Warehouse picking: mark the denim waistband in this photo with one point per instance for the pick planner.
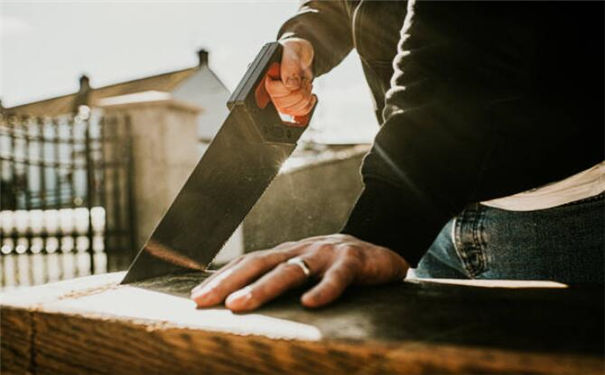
(483, 236)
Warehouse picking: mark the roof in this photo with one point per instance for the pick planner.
(60, 105)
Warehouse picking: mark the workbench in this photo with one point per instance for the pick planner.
(92, 325)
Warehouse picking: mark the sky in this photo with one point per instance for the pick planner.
(46, 45)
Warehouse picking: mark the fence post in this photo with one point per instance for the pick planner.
(132, 215)
(82, 110)
(84, 114)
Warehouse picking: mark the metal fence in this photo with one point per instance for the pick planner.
(66, 204)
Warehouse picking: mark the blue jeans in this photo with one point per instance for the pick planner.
(563, 243)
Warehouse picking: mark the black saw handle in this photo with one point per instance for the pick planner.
(252, 101)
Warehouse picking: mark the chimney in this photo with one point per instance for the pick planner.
(84, 83)
(83, 94)
(202, 56)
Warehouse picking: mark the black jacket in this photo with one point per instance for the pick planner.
(486, 99)
(336, 27)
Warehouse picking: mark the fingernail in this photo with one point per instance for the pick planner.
(309, 299)
(306, 302)
(200, 294)
(207, 287)
(240, 297)
(197, 288)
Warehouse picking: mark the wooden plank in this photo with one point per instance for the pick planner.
(92, 325)
(15, 341)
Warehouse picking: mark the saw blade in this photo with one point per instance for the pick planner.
(231, 176)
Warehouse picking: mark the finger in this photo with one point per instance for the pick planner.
(297, 57)
(308, 108)
(214, 291)
(281, 247)
(307, 74)
(283, 277)
(295, 96)
(297, 109)
(334, 282)
(293, 104)
(291, 69)
(217, 273)
(276, 88)
(291, 100)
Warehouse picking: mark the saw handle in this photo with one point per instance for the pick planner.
(251, 102)
(263, 98)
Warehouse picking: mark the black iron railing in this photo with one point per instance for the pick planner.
(66, 204)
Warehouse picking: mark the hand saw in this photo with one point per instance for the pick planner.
(242, 160)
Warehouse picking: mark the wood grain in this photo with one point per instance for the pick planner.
(15, 342)
(411, 328)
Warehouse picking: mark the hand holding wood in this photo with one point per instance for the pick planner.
(338, 260)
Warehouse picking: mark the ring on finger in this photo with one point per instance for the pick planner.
(300, 263)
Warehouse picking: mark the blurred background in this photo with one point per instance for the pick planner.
(47, 45)
(108, 105)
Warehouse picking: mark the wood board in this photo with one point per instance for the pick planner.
(93, 325)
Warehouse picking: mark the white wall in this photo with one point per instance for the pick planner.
(205, 90)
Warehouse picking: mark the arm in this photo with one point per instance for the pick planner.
(327, 26)
(465, 123)
(315, 40)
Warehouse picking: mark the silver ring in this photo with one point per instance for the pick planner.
(301, 263)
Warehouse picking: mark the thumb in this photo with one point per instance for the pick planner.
(291, 71)
(296, 60)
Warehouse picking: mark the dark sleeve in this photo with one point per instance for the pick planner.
(472, 115)
(327, 26)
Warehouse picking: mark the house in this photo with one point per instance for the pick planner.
(197, 85)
